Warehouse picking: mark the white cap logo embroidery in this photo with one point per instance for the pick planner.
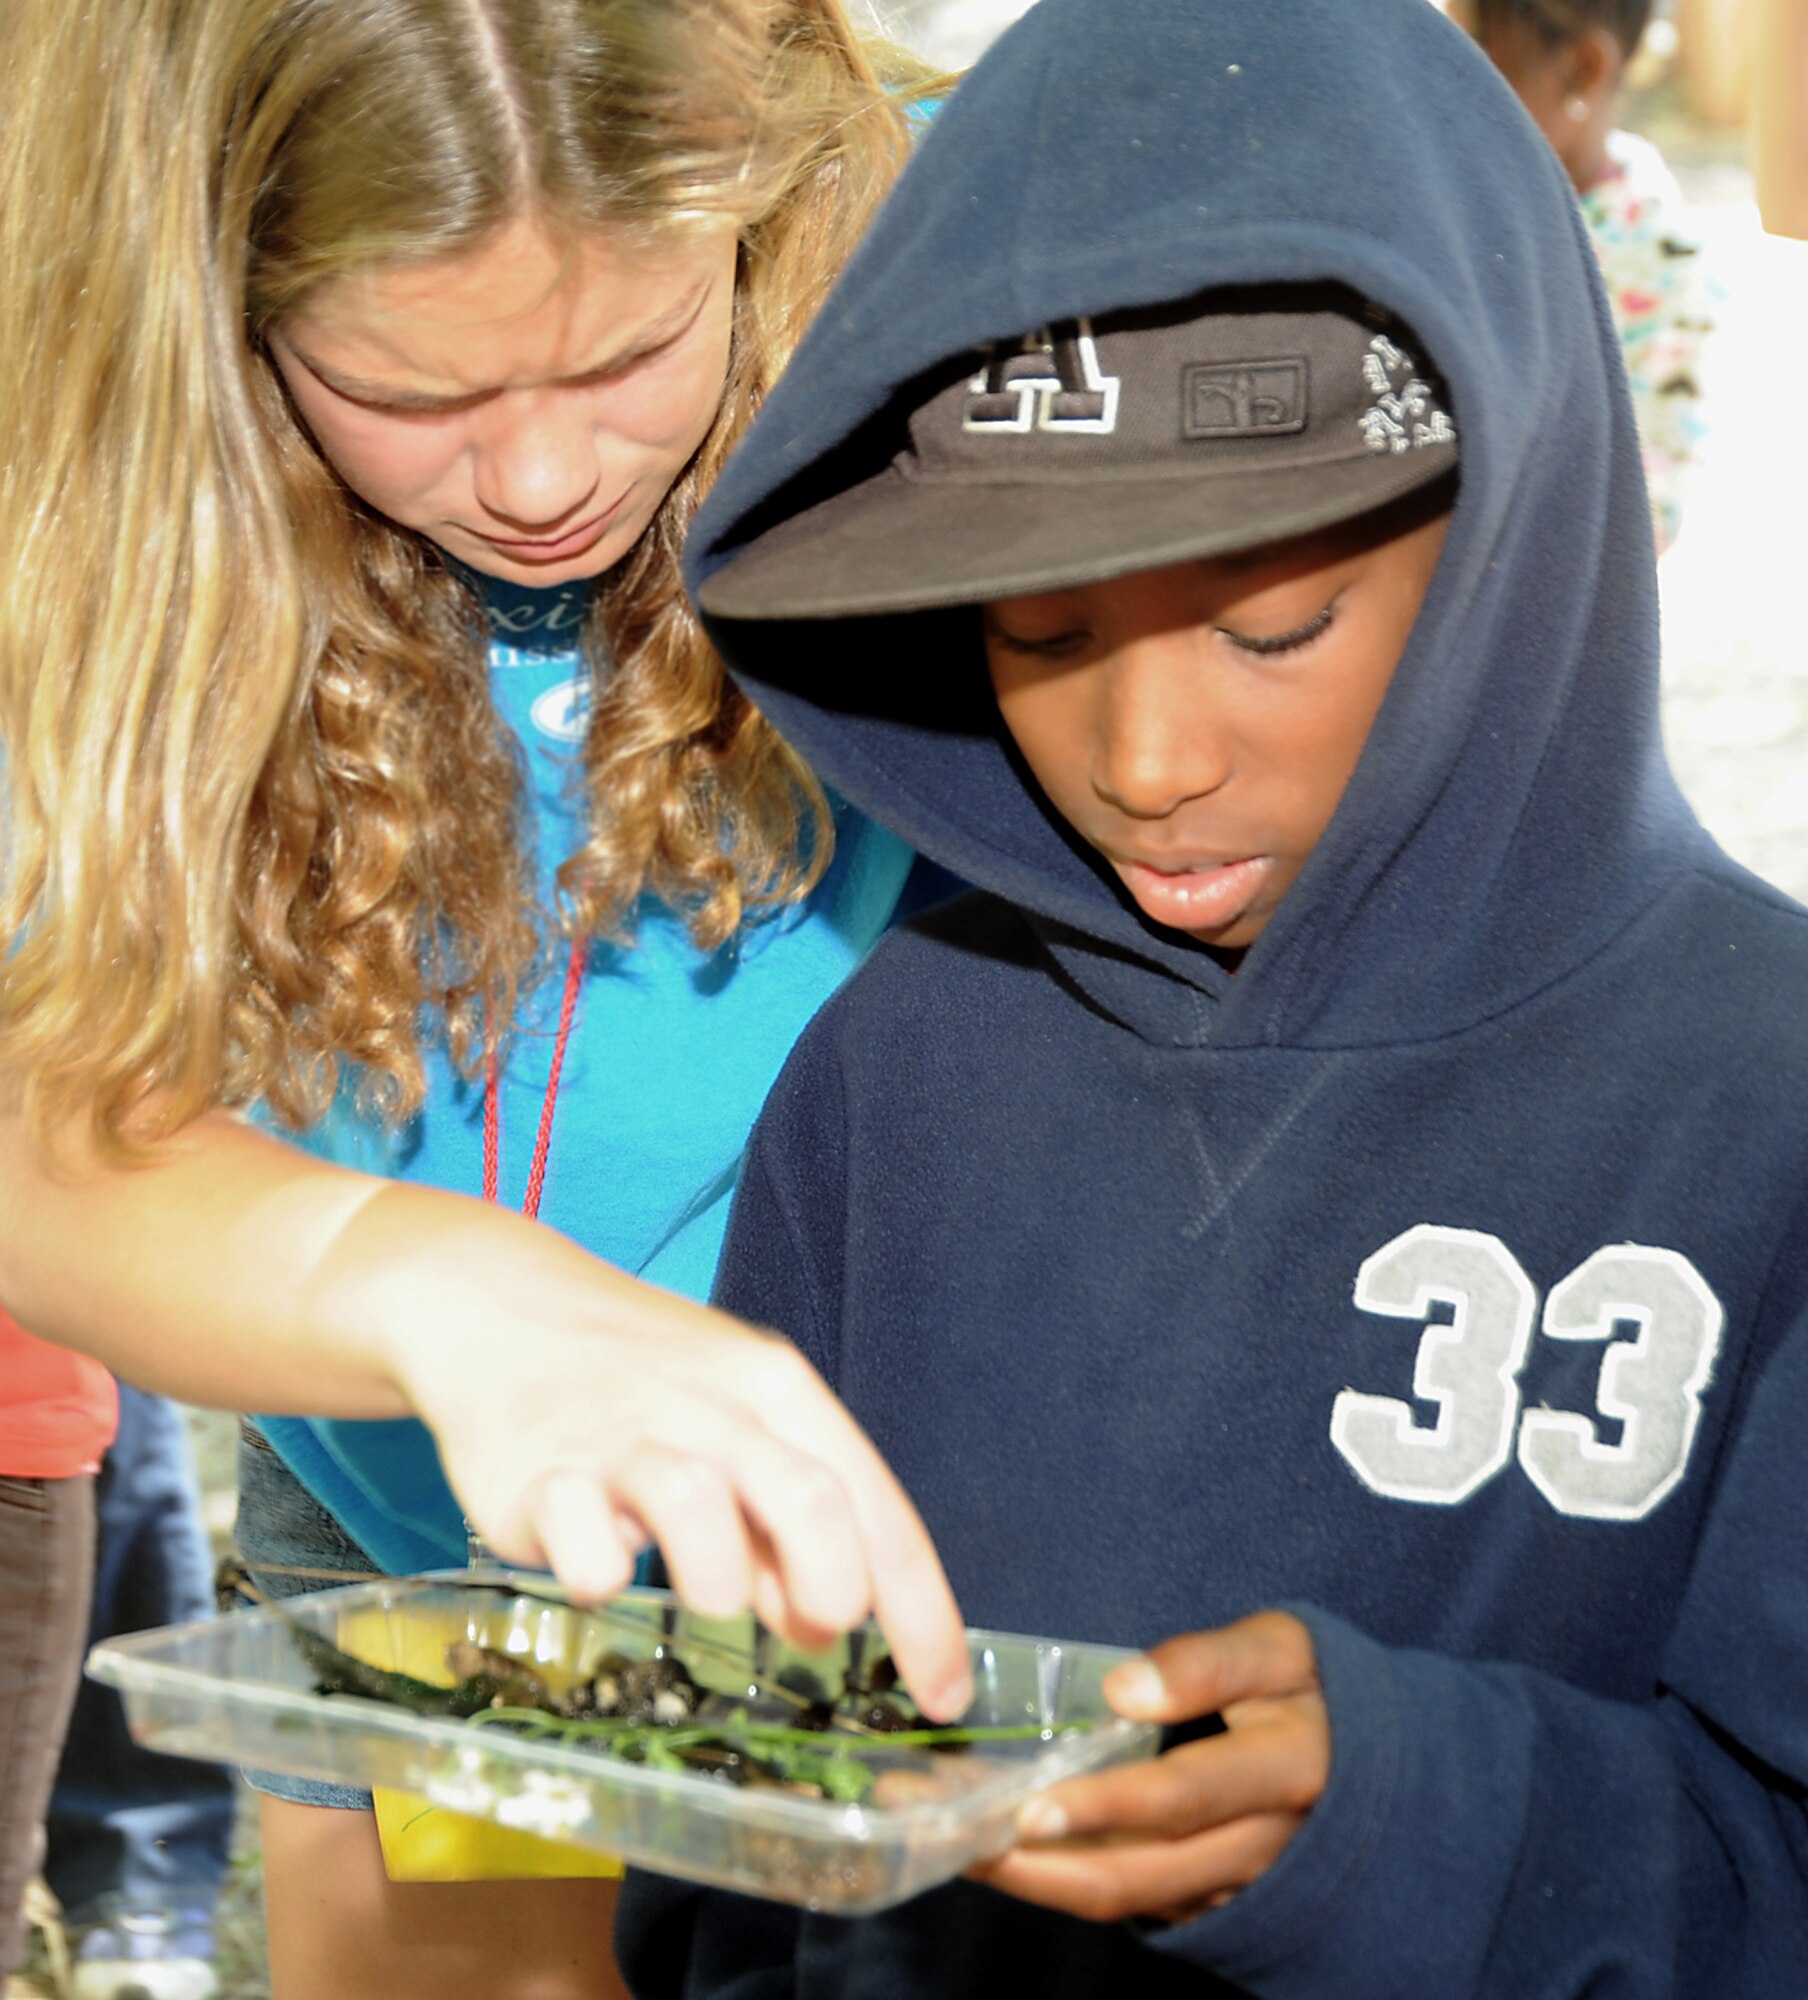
(1403, 416)
(1052, 383)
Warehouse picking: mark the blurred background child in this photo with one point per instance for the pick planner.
(1567, 60)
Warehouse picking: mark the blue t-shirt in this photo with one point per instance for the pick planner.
(670, 1057)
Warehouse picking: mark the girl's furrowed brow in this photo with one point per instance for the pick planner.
(668, 327)
(355, 389)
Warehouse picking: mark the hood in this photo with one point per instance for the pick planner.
(1512, 809)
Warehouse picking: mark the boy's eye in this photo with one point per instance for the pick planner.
(1284, 642)
(1038, 646)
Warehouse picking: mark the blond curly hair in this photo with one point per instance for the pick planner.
(259, 820)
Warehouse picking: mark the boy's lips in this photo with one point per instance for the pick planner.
(1205, 897)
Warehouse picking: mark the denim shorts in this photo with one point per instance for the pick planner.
(290, 1545)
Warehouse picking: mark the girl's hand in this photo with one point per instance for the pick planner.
(582, 1414)
(1177, 1836)
(579, 1412)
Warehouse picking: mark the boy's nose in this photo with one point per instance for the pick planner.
(536, 469)
(1160, 736)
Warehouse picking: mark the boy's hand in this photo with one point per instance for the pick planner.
(1182, 1834)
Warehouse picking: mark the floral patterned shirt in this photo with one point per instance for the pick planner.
(1662, 304)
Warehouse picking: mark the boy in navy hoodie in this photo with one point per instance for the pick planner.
(1329, 1208)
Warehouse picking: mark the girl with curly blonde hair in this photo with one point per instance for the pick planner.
(367, 778)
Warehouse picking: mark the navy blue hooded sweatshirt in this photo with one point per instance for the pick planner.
(1442, 1274)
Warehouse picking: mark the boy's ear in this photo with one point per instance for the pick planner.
(1593, 64)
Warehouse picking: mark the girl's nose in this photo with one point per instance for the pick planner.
(1162, 736)
(536, 469)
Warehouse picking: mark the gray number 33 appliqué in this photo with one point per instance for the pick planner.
(1468, 1368)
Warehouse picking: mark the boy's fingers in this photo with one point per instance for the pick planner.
(1170, 1878)
(1278, 1759)
(1269, 1654)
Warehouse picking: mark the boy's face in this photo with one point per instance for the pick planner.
(1198, 724)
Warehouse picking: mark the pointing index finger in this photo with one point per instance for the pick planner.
(910, 1594)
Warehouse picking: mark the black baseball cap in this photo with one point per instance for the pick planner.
(1091, 449)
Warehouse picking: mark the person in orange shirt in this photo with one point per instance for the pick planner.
(58, 1411)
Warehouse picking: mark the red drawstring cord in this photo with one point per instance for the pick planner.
(492, 1097)
(476, 1555)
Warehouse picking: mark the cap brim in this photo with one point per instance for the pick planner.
(901, 544)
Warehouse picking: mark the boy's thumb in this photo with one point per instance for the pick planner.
(1267, 1655)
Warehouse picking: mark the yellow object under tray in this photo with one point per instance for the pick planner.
(423, 1842)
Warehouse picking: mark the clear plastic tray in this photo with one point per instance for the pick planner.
(238, 1689)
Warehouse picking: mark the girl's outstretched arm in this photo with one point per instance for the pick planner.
(579, 1412)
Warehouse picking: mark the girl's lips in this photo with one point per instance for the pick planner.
(556, 548)
(1195, 899)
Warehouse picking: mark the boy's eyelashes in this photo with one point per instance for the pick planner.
(1050, 646)
(1075, 639)
(1284, 642)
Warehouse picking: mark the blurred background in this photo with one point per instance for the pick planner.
(1720, 87)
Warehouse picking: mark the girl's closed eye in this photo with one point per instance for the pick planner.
(415, 412)
(383, 402)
